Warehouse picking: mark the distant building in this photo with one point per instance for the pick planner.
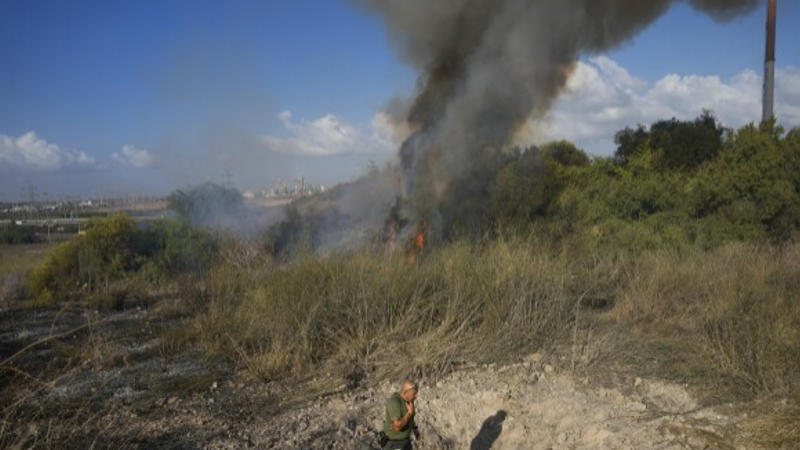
(300, 188)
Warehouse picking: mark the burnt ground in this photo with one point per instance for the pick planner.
(109, 379)
(77, 378)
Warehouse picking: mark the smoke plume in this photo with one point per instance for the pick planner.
(488, 66)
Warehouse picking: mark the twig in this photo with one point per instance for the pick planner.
(29, 376)
(575, 328)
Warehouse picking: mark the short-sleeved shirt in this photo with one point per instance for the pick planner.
(395, 409)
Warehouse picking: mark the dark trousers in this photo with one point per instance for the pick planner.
(398, 445)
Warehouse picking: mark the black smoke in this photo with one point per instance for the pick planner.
(489, 66)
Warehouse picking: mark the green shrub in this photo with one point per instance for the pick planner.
(115, 248)
(751, 190)
(174, 248)
(530, 182)
(106, 252)
(676, 145)
(58, 274)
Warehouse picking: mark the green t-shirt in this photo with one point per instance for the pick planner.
(395, 409)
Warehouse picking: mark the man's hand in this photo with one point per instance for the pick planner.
(410, 407)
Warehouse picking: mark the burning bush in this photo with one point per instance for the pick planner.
(745, 188)
(207, 204)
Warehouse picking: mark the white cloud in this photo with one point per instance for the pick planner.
(329, 135)
(29, 151)
(602, 97)
(136, 157)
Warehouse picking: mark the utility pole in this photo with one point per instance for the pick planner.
(30, 189)
(227, 178)
(31, 208)
(47, 217)
(769, 63)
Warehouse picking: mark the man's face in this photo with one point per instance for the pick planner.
(409, 395)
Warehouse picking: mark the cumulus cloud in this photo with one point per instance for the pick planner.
(136, 157)
(29, 151)
(603, 97)
(330, 135)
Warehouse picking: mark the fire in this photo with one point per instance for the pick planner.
(417, 244)
(413, 244)
(419, 241)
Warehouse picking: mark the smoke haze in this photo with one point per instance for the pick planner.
(488, 66)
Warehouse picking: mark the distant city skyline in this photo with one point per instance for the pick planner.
(105, 98)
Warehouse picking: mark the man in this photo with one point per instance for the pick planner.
(399, 422)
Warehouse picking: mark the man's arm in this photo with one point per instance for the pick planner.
(400, 423)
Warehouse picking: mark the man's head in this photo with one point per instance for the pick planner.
(408, 390)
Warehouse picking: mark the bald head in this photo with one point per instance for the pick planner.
(408, 390)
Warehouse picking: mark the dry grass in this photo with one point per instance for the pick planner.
(37, 424)
(778, 428)
(23, 257)
(363, 313)
(737, 308)
(32, 416)
(727, 319)
(15, 262)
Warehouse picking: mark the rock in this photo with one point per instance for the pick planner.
(637, 406)
(534, 357)
(637, 382)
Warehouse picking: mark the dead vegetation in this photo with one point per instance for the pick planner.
(726, 318)
(725, 321)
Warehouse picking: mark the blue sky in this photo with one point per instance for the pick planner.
(111, 97)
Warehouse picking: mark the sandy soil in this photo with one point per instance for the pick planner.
(529, 405)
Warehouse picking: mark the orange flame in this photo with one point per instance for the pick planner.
(419, 241)
(417, 245)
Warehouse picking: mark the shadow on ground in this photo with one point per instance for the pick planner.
(489, 432)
